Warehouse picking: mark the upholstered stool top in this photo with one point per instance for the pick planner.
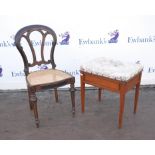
(113, 69)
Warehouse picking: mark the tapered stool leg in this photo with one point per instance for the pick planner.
(136, 97)
(99, 94)
(82, 93)
(122, 100)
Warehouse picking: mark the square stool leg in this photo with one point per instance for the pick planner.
(82, 93)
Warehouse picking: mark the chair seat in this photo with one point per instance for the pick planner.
(44, 77)
(112, 69)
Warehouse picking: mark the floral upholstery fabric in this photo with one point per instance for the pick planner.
(113, 69)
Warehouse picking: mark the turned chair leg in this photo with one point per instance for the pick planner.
(33, 100)
(82, 93)
(56, 94)
(29, 95)
(72, 91)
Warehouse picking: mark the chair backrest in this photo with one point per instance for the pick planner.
(36, 44)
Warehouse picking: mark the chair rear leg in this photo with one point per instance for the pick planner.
(33, 100)
(72, 91)
(56, 95)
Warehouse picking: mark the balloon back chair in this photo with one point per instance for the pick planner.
(112, 75)
(36, 44)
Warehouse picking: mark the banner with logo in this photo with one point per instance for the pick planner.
(126, 38)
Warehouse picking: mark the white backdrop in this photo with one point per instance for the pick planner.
(89, 38)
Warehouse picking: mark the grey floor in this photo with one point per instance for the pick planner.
(99, 122)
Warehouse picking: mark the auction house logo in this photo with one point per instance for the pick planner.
(42, 67)
(111, 38)
(64, 38)
(141, 39)
(1, 70)
(114, 36)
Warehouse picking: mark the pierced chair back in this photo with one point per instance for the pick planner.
(31, 53)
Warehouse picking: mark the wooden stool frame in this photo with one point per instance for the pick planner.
(121, 87)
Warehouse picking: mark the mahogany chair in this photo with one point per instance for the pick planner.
(112, 75)
(41, 41)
